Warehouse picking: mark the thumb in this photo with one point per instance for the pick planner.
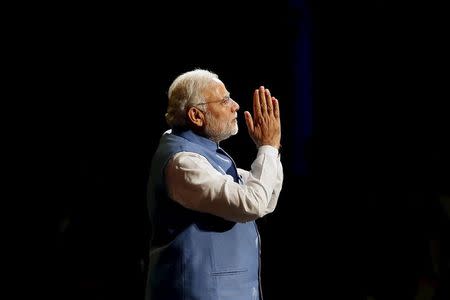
(249, 121)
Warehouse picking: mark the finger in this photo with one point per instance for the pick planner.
(256, 106)
(249, 121)
(269, 102)
(262, 99)
(276, 108)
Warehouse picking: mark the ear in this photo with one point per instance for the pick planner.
(196, 116)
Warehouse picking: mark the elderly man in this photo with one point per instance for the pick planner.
(205, 242)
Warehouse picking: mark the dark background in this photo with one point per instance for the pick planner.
(365, 147)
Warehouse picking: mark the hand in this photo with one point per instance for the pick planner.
(265, 127)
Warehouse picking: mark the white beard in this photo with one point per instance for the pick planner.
(217, 131)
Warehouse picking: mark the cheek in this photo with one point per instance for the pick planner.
(227, 121)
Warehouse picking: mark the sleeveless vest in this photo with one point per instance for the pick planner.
(193, 255)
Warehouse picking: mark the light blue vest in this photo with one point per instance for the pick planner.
(197, 256)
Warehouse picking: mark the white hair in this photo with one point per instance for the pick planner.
(185, 91)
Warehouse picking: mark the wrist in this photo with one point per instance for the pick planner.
(268, 150)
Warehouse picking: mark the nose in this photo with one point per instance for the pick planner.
(235, 105)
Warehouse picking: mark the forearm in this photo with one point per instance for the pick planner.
(198, 186)
(258, 172)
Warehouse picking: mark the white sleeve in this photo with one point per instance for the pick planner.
(194, 183)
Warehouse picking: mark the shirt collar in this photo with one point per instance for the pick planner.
(196, 138)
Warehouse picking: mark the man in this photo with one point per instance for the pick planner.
(205, 242)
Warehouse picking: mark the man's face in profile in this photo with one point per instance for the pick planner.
(221, 112)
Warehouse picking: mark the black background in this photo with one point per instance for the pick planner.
(356, 224)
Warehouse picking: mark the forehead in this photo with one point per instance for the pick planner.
(216, 89)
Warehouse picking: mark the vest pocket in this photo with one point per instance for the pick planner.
(234, 252)
(229, 273)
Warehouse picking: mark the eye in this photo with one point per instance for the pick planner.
(226, 100)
